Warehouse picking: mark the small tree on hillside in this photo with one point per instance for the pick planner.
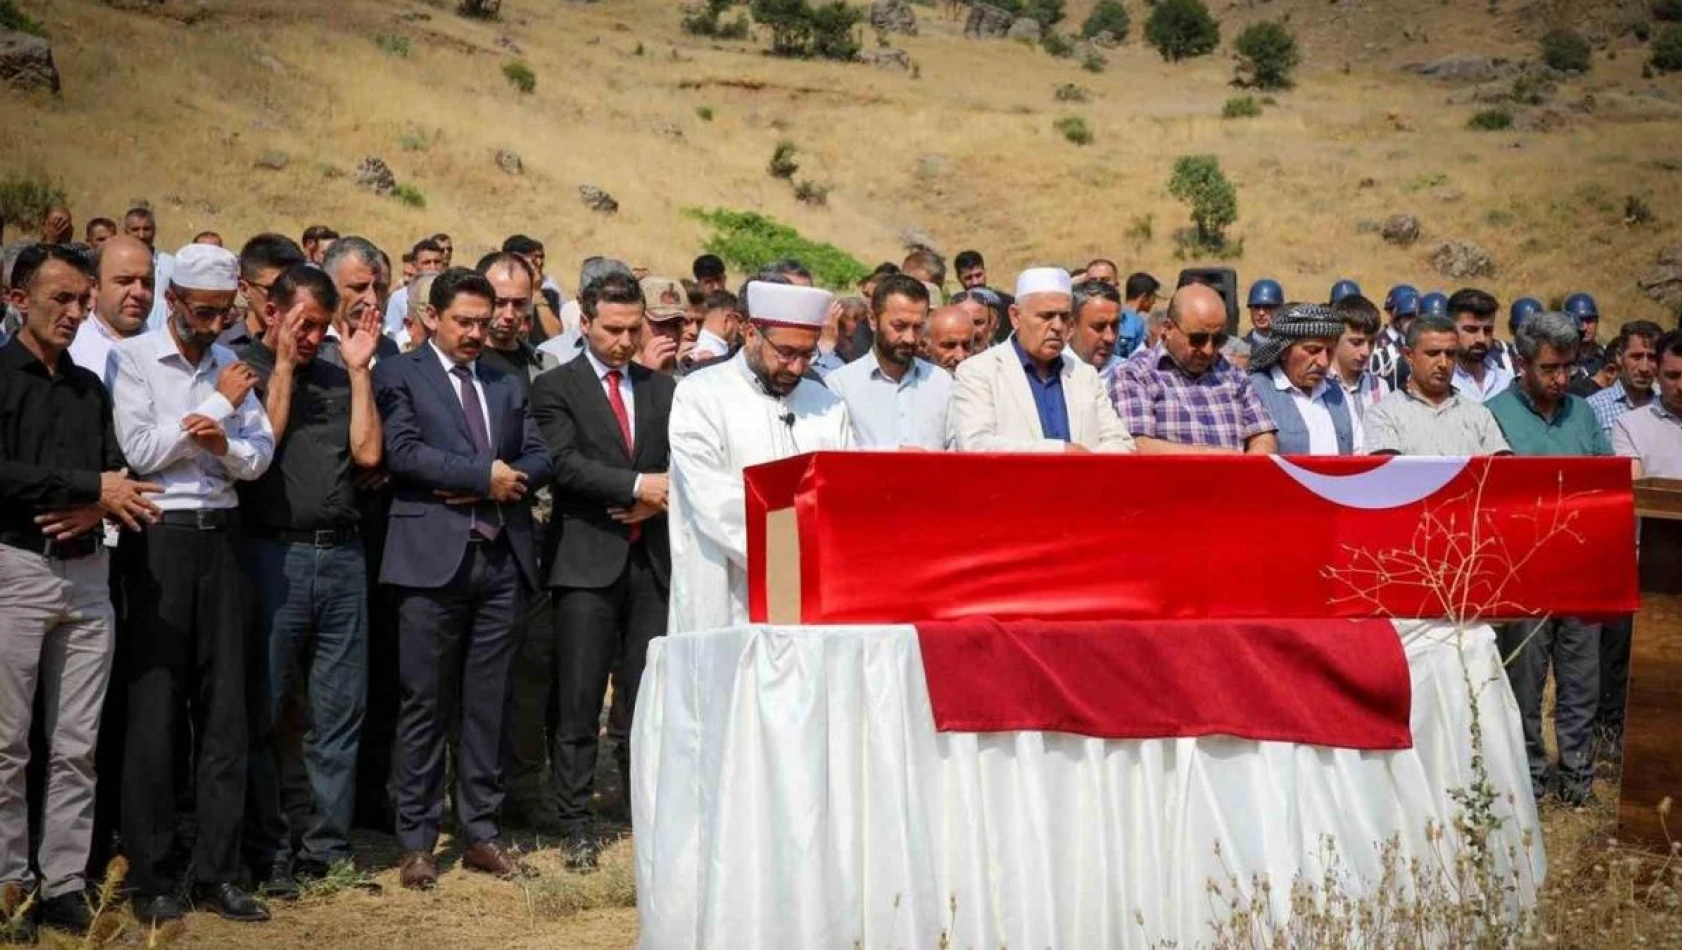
(790, 22)
(1567, 51)
(1199, 182)
(1267, 55)
(832, 30)
(1180, 29)
(1109, 16)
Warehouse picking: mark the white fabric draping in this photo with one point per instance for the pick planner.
(790, 790)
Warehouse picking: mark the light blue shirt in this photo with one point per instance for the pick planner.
(888, 414)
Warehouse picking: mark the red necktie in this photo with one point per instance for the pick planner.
(616, 399)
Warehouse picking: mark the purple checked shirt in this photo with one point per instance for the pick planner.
(1155, 398)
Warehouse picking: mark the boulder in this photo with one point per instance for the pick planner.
(1462, 69)
(1025, 28)
(886, 57)
(273, 159)
(986, 22)
(597, 200)
(26, 62)
(375, 175)
(1664, 282)
(893, 16)
(509, 161)
(1401, 230)
(1459, 260)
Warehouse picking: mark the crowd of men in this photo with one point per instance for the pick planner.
(291, 537)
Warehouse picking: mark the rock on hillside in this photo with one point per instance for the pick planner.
(26, 62)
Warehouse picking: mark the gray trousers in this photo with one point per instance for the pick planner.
(1572, 647)
(55, 634)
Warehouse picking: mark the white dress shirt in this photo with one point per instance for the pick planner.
(455, 387)
(1322, 432)
(1496, 378)
(888, 413)
(396, 308)
(91, 350)
(711, 344)
(601, 370)
(153, 388)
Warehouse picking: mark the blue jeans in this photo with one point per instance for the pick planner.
(314, 610)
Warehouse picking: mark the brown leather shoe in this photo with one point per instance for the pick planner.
(418, 871)
(490, 857)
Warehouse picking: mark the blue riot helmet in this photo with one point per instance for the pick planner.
(1344, 288)
(1434, 304)
(1522, 309)
(1266, 293)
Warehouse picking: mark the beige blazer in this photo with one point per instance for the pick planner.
(993, 409)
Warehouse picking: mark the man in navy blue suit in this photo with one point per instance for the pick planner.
(465, 456)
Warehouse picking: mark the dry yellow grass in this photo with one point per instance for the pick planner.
(176, 113)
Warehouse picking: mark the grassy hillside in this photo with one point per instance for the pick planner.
(175, 102)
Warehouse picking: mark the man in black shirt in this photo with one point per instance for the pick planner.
(61, 474)
(304, 548)
(506, 345)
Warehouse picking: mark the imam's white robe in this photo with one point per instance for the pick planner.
(722, 422)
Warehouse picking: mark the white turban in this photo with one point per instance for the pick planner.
(1043, 280)
(788, 305)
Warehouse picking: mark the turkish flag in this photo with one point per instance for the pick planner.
(861, 537)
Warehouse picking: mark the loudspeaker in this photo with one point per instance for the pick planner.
(1225, 282)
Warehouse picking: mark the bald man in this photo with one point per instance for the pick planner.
(123, 296)
(1181, 396)
(951, 337)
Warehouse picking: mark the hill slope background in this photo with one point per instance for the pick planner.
(174, 103)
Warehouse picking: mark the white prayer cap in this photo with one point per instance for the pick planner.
(205, 267)
(1043, 280)
(788, 305)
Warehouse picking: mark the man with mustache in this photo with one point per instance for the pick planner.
(63, 473)
(1479, 371)
(951, 337)
(1426, 416)
(1182, 395)
(1292, 371)
(753, 408)
(187, 418)
(465, 455)
(1636, 354)
(894, 398)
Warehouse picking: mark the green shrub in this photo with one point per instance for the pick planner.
(410, 196)
(11, 18)
(748, 241)
(1074, 128)
(1667, 48)
(790, 22)
(832, 30)
(1242, 107)
(1566, 51)
(811, 192)
(395, 45)
(479, 9)
(1199, 182)
(782, 164)
(1048, 13)
(705, 113)
(1058, 45)
(520, 76)
(1181, 29)
(1094, 62)
(1669, 11)
(1267, 55)
(708, 20)
(1491, 120)
(25, 198)
(1108, 16)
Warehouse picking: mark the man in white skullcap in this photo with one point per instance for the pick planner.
(1031, 393)
(186, 419)
(753, 408)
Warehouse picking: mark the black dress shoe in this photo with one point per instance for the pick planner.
(161, 909)
(279, 884)
(230, 903)
(70, 912)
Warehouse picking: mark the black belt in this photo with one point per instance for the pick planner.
(203, 519)
(323, 538)
(40, 544)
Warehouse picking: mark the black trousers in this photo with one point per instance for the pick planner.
(1614, 673)
(531, 711)
(599, 631)
(458, 644)
(375, 776)
(185, 649)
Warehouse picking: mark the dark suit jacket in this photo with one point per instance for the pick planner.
(428, 448)
(593, 470)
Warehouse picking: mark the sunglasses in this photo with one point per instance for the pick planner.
(1199, 340)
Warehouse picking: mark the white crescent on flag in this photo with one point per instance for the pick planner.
(1397, 482)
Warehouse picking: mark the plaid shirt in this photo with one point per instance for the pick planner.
(1610, 403)
(1158, 400)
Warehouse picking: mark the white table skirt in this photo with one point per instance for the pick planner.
(790, 791)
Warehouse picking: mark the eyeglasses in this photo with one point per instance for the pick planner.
(789, 354)
(211, 313)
